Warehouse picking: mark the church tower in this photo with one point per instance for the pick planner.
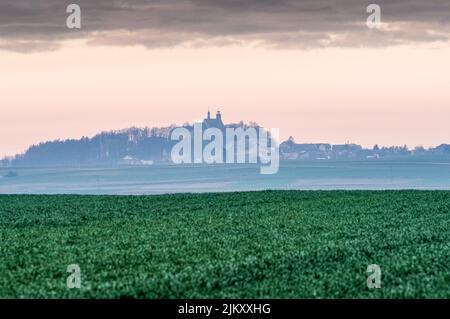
(213, 122)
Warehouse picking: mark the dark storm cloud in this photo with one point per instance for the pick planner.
(30, 25)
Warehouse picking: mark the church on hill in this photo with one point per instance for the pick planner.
(210, 122)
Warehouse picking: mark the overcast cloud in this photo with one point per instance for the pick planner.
(30, 25)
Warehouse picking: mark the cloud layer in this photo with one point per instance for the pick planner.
(27, 25)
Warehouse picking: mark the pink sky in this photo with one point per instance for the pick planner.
(390, 96)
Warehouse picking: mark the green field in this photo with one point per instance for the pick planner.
(273, 244)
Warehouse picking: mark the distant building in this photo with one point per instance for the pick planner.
(209, 122)
(217, 122)
(130, 160)
(291, 150)
(347, 148)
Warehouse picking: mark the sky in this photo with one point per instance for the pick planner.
(313, 69)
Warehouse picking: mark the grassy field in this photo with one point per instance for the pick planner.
(274, 244)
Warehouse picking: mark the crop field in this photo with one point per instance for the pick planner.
(270, 244)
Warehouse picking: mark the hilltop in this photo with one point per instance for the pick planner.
(145, 146)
